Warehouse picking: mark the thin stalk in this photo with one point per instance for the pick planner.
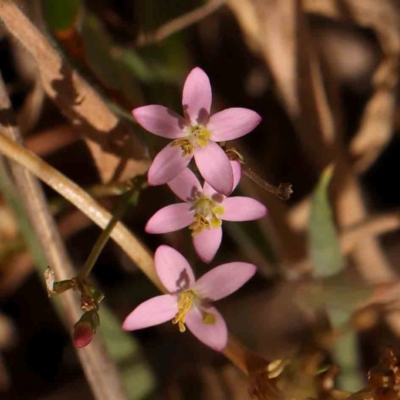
(283, 191)
(105, 234)
(136, 250)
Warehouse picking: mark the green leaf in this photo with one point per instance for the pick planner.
(136, 373)
(324, 244)
(103, 56)
(61, 14)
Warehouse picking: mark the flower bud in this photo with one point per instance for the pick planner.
(85, 328)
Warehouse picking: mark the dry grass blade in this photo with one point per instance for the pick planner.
(99, 368)
(179, 23)
(109, 139)
(372, 226)
(376, 125)
(270, 28)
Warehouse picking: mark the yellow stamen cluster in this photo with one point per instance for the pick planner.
(185, 303)
(197, 135)
(186, 146)
(206, 215)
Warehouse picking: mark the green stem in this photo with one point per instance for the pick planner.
(105, 234)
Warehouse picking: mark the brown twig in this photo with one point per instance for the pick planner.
(99, 368)
(370, 227)
(179, 23)
(50, 141)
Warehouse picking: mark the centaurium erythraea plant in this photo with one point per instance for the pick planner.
(188, 303)
(203, 211)
(195, 135)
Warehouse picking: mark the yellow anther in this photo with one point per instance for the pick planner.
(197, 135)
(208, 318)
(186, 145)
(215, 222)
(185, 303)
(200, 223)
(218, 209)
(206, 215)
(200, 134)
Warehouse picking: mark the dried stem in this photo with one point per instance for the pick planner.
(372, 226)
(78, 197)
(283, 191)
(179, 23)
(99, 368)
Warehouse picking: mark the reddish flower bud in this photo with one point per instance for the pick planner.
(85, 328)
(83, 334)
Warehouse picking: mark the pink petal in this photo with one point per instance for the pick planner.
(168, 164)
(185, 185)
(197, 97)
(152, 312)
(232, 123)
(212, 335)
(173, 269)
(215, 167)
(160, 120)
(207, 242)
(242, 209)
(170, 219)
(223, 280)
(237, 173)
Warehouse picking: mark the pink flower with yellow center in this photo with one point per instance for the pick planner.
(203, 211)
(188, 303)
(195, 135)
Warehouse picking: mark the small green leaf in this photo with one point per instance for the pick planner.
(102, 55)
(61, 15)
(123, 348)
(324, 244)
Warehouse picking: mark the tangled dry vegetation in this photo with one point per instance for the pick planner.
(321, 319)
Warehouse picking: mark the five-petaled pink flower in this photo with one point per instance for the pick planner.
(188, 301)
(203, 211)
(195, 135)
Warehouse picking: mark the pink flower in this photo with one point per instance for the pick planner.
(195, 135)
(203, 211)
(188, 301)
